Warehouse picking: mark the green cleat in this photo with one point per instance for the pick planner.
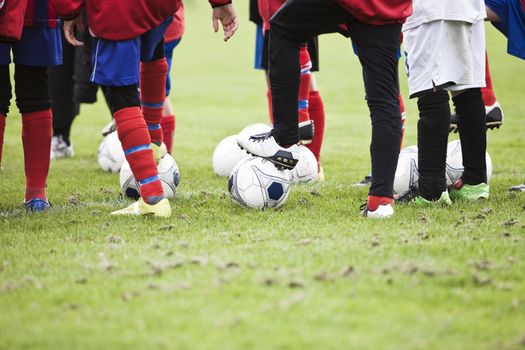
(412, 197)
(463, 192)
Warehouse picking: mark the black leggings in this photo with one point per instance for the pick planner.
(31, 89)
(377, 47)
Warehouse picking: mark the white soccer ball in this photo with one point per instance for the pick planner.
(110, 153)
(455, 167)
(226, 155)
(407, 174)
(255, 129)
(168, 173)
(256, 183)
(306, 168)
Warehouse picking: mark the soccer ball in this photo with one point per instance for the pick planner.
(306, 168)
(407, 174)
(168, 173)
(455, 167)
(226, 155)
(255, 129)
(256, 183)
(110, 153)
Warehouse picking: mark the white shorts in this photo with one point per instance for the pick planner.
(445, 55)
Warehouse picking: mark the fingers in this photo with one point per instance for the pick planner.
(69, 34)
(215, 21)
(229, 27)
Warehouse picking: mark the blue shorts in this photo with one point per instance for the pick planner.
(168, 53)
(40, 47)
(259, 47)
(117, 63)
(512, 25)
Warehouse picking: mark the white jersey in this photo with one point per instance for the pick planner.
(425, 11)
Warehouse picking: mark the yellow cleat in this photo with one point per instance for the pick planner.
(162, 209)
(320, 175)
(159, 151)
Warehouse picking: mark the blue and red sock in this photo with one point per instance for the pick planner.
(304, 86)
(152, 95)
(136, 143)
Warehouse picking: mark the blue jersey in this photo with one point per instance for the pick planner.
(512, 25)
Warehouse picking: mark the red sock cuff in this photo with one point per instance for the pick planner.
(375, 201)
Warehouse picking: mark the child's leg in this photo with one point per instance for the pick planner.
(168, 124)
(135, 139)
(432, 138)
(473, 135)
(317, 115)
(5, 98)
(33, 101)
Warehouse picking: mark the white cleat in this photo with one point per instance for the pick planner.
(60, 149)
(109, 128)
(382, 212)
(265, 146)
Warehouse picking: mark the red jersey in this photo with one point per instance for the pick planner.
(27, 13)
(371, 11)
(122, 19)
(176, 28)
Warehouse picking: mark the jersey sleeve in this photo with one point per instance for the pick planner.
(217, 3)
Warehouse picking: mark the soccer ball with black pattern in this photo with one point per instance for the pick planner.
(407, 174)
(168, 173)
(256, 183)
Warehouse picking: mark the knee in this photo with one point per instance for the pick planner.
(31, 89)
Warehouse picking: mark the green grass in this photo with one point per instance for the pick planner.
(313, 275)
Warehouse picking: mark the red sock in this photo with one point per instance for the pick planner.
(316, 112)
(489, 97)
(304, 86)
(168, 130)
(270, 105)
(375, 201)
(37, 131)
(403, 118)
(2, 128)
(135, 140)
(152, 95)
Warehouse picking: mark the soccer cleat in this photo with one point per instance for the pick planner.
(460, 191)
(109, 128)
(518, 188)
(162, 209)
(37, 205)
(320, 175)
(412, 197)
(265, 146)
(306, 132)
(159, 151)
(494, 114)
(366, 182)
(382, 212)
(60, 148)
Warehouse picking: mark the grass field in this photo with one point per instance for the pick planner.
(313, 275)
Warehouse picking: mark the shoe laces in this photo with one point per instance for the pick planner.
(262, 137)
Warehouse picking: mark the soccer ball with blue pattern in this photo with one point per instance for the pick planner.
(168, 174)
(256, 183)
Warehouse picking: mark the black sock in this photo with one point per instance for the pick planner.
(432, 138)
(473, 135)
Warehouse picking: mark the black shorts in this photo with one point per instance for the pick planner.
(313, 50)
